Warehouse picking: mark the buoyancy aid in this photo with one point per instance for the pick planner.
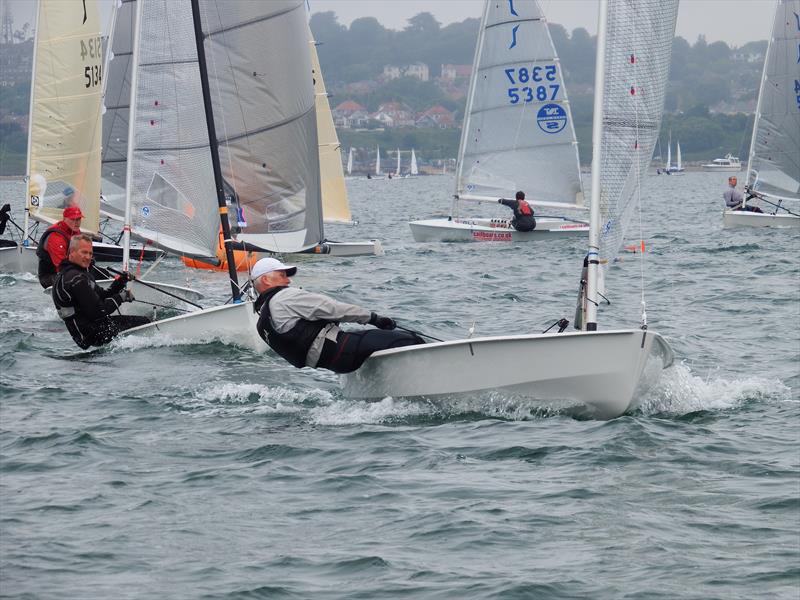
(524, 208)
(46, 266)
(292, 345)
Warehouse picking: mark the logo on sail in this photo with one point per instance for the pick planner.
(551, 118)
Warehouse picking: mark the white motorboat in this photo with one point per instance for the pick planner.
(518, 134)
(588, 372)
(729, 164)
(773, 163)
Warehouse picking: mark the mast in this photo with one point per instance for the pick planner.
(468, 106)
(214, 145)
(26, 224)
(126, 226)
(593, 255)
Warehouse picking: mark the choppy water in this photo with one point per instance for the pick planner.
(209, 471)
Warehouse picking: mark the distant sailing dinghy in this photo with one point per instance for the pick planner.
(517, 134)
(773, 165)
(592, 373)
(335, 206)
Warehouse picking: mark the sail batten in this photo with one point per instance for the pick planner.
(518, 130)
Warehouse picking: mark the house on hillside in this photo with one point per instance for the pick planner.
(350, 114)
(417, 70)
(436, 116)
(394, 114)
(453, 72)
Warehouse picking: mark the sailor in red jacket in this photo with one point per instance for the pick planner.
(52, 249)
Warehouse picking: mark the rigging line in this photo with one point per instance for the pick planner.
(639, 158)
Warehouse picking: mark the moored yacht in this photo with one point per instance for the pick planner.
(728, 164)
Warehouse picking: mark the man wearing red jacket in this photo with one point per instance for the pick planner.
(52, 249)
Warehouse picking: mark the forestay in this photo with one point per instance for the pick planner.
(263, 103)
(64, 131)
(638, 51)
(774, 164)
(518, 133)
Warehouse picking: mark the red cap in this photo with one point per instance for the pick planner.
(73, 212)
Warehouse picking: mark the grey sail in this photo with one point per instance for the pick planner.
(263, 103)
(774, 163)
(117, 100)
(172, 192)
(518, 132)
(638, 51)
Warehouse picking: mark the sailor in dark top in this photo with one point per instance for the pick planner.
(85, 307)
(734, 199)
(52, 248)
(303, 327)
(523, 213)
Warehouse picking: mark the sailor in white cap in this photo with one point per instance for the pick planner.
(303, 327)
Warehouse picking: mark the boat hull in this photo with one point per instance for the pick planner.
(723, 169)
(231, 323)
(589, 374)
(745, 218)
(19, 259)
(368, 248)
(493, 230)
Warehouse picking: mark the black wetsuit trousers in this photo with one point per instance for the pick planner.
(109, 328)
(352, 348)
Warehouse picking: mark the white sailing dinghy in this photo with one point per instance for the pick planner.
(335, 207)
(414, 170)
(677, 168)
(517, 133)
(773, 164)
(592, 373)
(350, 161)
(258, 146)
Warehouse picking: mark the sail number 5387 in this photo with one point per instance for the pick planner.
(535, 74)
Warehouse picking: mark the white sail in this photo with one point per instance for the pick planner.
(116, 101)
(350, 162)
(414, 169)
(265, 118)
(397, 170)
(335, 207)
(378, 160)
(518, 132)
(679, 163)
(773, 166)
(637, 59)
(669, 152)
(170, 180)
(65, 128)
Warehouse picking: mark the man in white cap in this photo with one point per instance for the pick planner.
(303, 327)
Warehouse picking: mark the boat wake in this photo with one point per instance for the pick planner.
(680, 392)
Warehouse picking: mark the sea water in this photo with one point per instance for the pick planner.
(154, 469)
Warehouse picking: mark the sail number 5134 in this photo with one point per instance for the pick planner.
(537, 74)
(92, 48)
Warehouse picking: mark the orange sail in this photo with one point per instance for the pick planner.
(244, 260)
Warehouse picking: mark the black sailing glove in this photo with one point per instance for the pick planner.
(382, 322)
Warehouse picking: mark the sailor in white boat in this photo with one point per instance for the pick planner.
(734, 198)
(303, 327)
(85, 307)
(52, 248)
(523, 213)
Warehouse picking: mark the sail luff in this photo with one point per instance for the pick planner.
(26, 224)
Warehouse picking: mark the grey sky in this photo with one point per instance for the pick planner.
(733, 21)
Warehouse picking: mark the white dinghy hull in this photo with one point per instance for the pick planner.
(493, 230)
(590, 374)
(745, 218)
(19, 259)
(368, 248)
(231, 323)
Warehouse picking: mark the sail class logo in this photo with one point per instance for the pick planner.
(551, 118)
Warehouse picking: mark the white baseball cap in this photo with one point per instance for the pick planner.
(268, 265)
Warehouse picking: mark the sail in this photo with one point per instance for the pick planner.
(669, 153)
(116, 101)
(335, 208)
(172, 192)
(65, 128)
(378, 160)
(774, 164)
(350, 162)
(397, 170)
(414, 169)
(259, 64)
(679, 164)
(638, 51)
(518, 132)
